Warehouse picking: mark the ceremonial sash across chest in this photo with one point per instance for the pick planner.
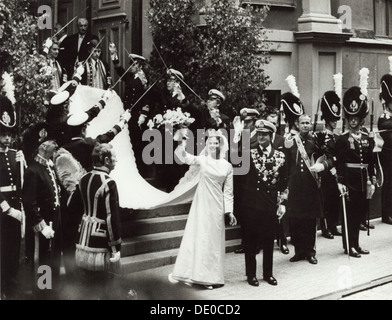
(306, 159)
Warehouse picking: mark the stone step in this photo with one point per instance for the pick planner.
(152, 260)
(156, 242)
(130, 214)
(153, 225)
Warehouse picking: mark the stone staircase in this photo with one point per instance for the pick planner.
(151, 238)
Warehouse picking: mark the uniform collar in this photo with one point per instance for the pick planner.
(4, 150)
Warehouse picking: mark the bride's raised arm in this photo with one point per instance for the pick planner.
(184, 156)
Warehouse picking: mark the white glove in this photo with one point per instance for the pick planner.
(238, 127)
(317, 167)
(115, 257)
(342, 188)
(47, 232)
(281, 211)
(47, 45)
(142, 119)
(107, 95)
(14, 213)
(20, 157)
(80, 70)
(238, 124)
(126, 115)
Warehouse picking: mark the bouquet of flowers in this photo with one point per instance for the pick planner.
(177, 119)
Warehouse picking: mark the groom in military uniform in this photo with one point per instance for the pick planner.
(266, 179)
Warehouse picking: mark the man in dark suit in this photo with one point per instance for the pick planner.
(283, 226)
(355, 168)
(74, 48)
(304, 201)
(41, 201)
(266, 179)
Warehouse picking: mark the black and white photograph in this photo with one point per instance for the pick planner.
(195, 157)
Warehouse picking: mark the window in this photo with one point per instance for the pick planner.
(383, 18)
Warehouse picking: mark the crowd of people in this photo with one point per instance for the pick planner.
(57, 192)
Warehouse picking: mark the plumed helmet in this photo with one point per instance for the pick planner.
(386, 84)
(7, 116)
(355, 103)
(330, 106)
(386, 88)
(292, 107)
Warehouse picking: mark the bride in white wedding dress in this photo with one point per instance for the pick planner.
(134, 191)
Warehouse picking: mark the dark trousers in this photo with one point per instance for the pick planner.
(356, 209)
(250, 261)
(386, 191)
(332, 206)
(282, 231)
(10, 250)
(303, 236)
(258, 232)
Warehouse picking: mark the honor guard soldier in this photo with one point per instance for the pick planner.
(326, 141)
(41, 200)
(10, 197)
(354, 153)
(212, 117)
(385, 126)
(136, 84)
(261, 202)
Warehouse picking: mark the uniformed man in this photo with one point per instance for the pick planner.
(261, 206)
(385, 123)
(11, 161)
(212, 117)
(354, 153)
(136, 84)
(41, 200)
(245, 121)
(304, 201)
(283, 226)
(326, 140)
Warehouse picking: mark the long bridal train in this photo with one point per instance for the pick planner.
(134, 191)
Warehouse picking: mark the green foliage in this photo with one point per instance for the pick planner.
(227, 52)
(20, 57)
